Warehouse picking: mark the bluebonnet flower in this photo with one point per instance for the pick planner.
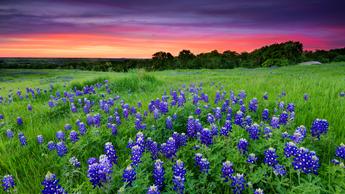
(217, 98)
(292, 116)
(281, 105)
(243, 108)
(164, 107)
(299, 134)
(238, 183)
(158, 174)
(174, 117)
(156, 114)
(206, 137)
(218, 113)
(118, 120)
(290, 107)
(285, 135)
(283, 118)
(202, 163)
(8, 183)
(227, 170)
(191, 132)
(125, 113)
(99, 172)
(214, 129)
(340, 151)
(180, 101)
(210, 118)
(129, 175)
(335, 161)
(73, 136)
(60, 135)
(248, 121)
(1, 116)
(29, 107)
(68, 127)
(73, 108)
(139, 125)
(258, 191)
(19, 121)
(92, 161)
(197, 111)
(242, 145)
(140, 140)
(153, 190)
(9, 133)
(265, 96)
(198, 126)
(253, 105)
(275, 122)
(239, 118)
(342, 94)
(290, 149)
(139, 104)
(267, 132)
(22, 140)
(270, 157)
(136, 155)
(319, 127)
(152, 146)
(242, 94)
(40, 139)
(51, 104)
(279, 170)
(168, 123)
(254, 131)
(252, 158)
(306, 97)
(179, 173)
(168, 149)
(51, 185)
(61, 148)
(110, 152)
(265, 114)
(74, 162)
(51, 145)
(229, 113)
(113, 129)
(180, 139)
(306, 161)
(82, 128)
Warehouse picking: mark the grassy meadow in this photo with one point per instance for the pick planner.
(29, 164)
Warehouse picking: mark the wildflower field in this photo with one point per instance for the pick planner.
(266, 130)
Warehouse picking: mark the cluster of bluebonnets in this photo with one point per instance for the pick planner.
(221, 117)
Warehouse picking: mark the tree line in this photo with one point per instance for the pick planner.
(282, 54)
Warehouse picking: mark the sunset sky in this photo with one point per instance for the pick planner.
(138, 28)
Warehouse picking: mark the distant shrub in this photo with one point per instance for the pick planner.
(275, 62)
(339, 58)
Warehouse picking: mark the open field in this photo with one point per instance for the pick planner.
(30, 163)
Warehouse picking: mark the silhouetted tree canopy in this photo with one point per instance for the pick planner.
(282, 54)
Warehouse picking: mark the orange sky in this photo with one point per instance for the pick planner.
(104, 46)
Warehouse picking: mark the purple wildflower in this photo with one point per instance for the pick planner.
(51, 185)
(8, 183)
(242, 145)
(158, 174)
(129, 175)
(110, 152)
(271, 157)
(319, 127)
(61, 148)
(227, 170)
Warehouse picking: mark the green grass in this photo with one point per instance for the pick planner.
(29, 164)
